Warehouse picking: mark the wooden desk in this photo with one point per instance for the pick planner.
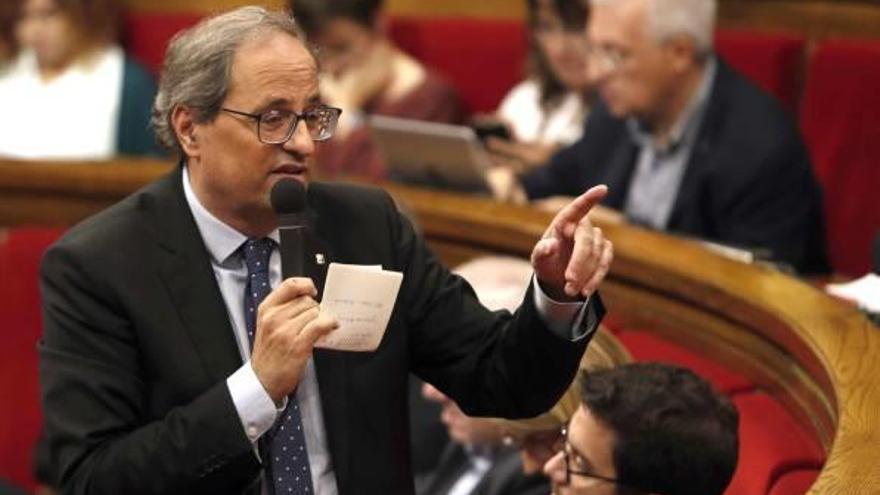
(818, 357)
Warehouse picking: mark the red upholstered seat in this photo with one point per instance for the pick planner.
(796, 482)
(646, 346)
(20, 417)
(839, 119)
(773, 61)
(146, 35)
(772, 443)
(483, 58)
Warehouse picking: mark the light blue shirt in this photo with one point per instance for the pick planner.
(255, 407)
(660, 169)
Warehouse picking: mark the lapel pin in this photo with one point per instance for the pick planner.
(319, 258)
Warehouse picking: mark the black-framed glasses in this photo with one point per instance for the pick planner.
(569, 454)
(540, 444)
(276, 126)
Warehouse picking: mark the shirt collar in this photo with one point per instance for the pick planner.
(221, 240)
(689, 119)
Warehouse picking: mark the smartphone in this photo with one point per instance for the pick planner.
(496, 129)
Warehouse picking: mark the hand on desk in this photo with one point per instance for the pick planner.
(573, 257)
(520, 156)
(288, 324)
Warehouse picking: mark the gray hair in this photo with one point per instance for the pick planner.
(667, 18)
(198, 63)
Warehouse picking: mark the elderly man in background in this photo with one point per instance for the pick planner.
(174, 357)
(685, 143)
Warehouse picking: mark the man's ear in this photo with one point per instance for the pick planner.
(183, 122)
(683, 51)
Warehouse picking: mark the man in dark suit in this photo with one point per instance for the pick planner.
(685, 143)
(176, 360)
(477, 461)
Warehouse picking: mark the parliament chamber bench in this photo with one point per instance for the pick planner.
(798, 365)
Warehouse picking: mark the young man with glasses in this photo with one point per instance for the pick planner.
(647, 428)
(174, 357)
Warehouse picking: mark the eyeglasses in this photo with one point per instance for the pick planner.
(542, 444)
(570, 455)
(277, 126)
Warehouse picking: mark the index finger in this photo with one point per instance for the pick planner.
(577, 209)
(291, 289)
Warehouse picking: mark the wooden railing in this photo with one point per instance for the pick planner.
(817, 356)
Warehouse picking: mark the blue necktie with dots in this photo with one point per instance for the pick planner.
(283, 446)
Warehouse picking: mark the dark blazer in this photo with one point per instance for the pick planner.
(876, 252)
(505, 477)
(134, 136)
(748, 182)
(138, 344)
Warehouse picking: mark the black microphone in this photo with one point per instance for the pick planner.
(288, 198)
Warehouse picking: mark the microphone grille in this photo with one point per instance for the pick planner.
(288, 196)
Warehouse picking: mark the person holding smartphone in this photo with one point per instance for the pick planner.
(547, 110)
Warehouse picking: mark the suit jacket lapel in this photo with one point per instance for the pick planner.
(185, 269)
(699, 161)
(330, 365)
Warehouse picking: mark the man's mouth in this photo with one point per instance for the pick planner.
(291, 169)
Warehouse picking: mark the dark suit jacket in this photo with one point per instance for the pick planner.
(748, 182)
(138, 344)
(505, 477)
(877, 254)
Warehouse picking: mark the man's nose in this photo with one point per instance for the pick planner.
(300, 143)
(598, 70)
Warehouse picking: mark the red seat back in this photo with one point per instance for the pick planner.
(773, 61)
(20, 253)
(839, 119)
(772, 443)
(797, 482)
(147, 35)
(646, 346)
(483, 58)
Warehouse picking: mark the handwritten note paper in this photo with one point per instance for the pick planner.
(361, 298)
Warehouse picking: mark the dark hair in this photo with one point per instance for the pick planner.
(314, 15)
(573, 14)
(674, 434)
(197, 69)
(8, 45)
(99, 20)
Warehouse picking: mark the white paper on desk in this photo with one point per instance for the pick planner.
(864, 291)
(361, 298)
